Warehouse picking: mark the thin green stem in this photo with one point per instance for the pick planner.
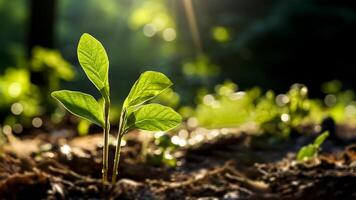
(120, 134)
(106, 141)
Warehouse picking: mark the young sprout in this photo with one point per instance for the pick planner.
(94, 61)
(311, 150)
(134, 115)
(150, 117)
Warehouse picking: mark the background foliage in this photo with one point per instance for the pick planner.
(272, 44)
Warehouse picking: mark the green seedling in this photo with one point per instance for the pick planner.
(95, 63)
(311, 150)
(137, 115)
(134, 114)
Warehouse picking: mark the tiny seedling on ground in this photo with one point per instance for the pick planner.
(134, 115)
(311, 150)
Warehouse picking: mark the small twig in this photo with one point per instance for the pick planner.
(259, 185)
(69, 173)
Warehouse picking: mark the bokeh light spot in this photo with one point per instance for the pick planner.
(16, 108)
(37, 122)
(221, 34)
(149, 30)
(330, 100)
(169, 34)
(7, 129)
(17, 128)
(282, 99)
(285, 117)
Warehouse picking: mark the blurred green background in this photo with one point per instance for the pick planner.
(270, 43)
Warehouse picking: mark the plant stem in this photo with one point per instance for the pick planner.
(120, 134)
(106, 141)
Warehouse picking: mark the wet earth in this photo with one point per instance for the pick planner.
(231, 167)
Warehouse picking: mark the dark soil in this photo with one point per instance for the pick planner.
(235, 166)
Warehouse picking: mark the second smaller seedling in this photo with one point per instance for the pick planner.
(311, 150)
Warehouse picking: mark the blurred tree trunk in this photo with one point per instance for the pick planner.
(41, 24)
(40, 31)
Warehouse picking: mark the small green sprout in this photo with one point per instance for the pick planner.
(311, 150)
(134, 115)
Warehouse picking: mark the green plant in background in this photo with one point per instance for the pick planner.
(298, 104)
(134, 115)
(269, 116)
(150, 117)
(53, 65)
(341, 104)
(95, 63)
(25, 95)
(48, 68)
(229, 106)
(200, 67)
(273, 114)
(162, 153)
(20, 100)
(311, 150)
(283, 112)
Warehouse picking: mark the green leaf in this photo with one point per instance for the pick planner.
(149, 85)
(320, 139)
(311, 150)
(154, 117)
(306, 152)
(94, 60)
(81, 104)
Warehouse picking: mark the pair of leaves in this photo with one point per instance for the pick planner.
(95, 63)
(151, 117)
(311, 150)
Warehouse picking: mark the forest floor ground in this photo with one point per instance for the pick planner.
(230, 167)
